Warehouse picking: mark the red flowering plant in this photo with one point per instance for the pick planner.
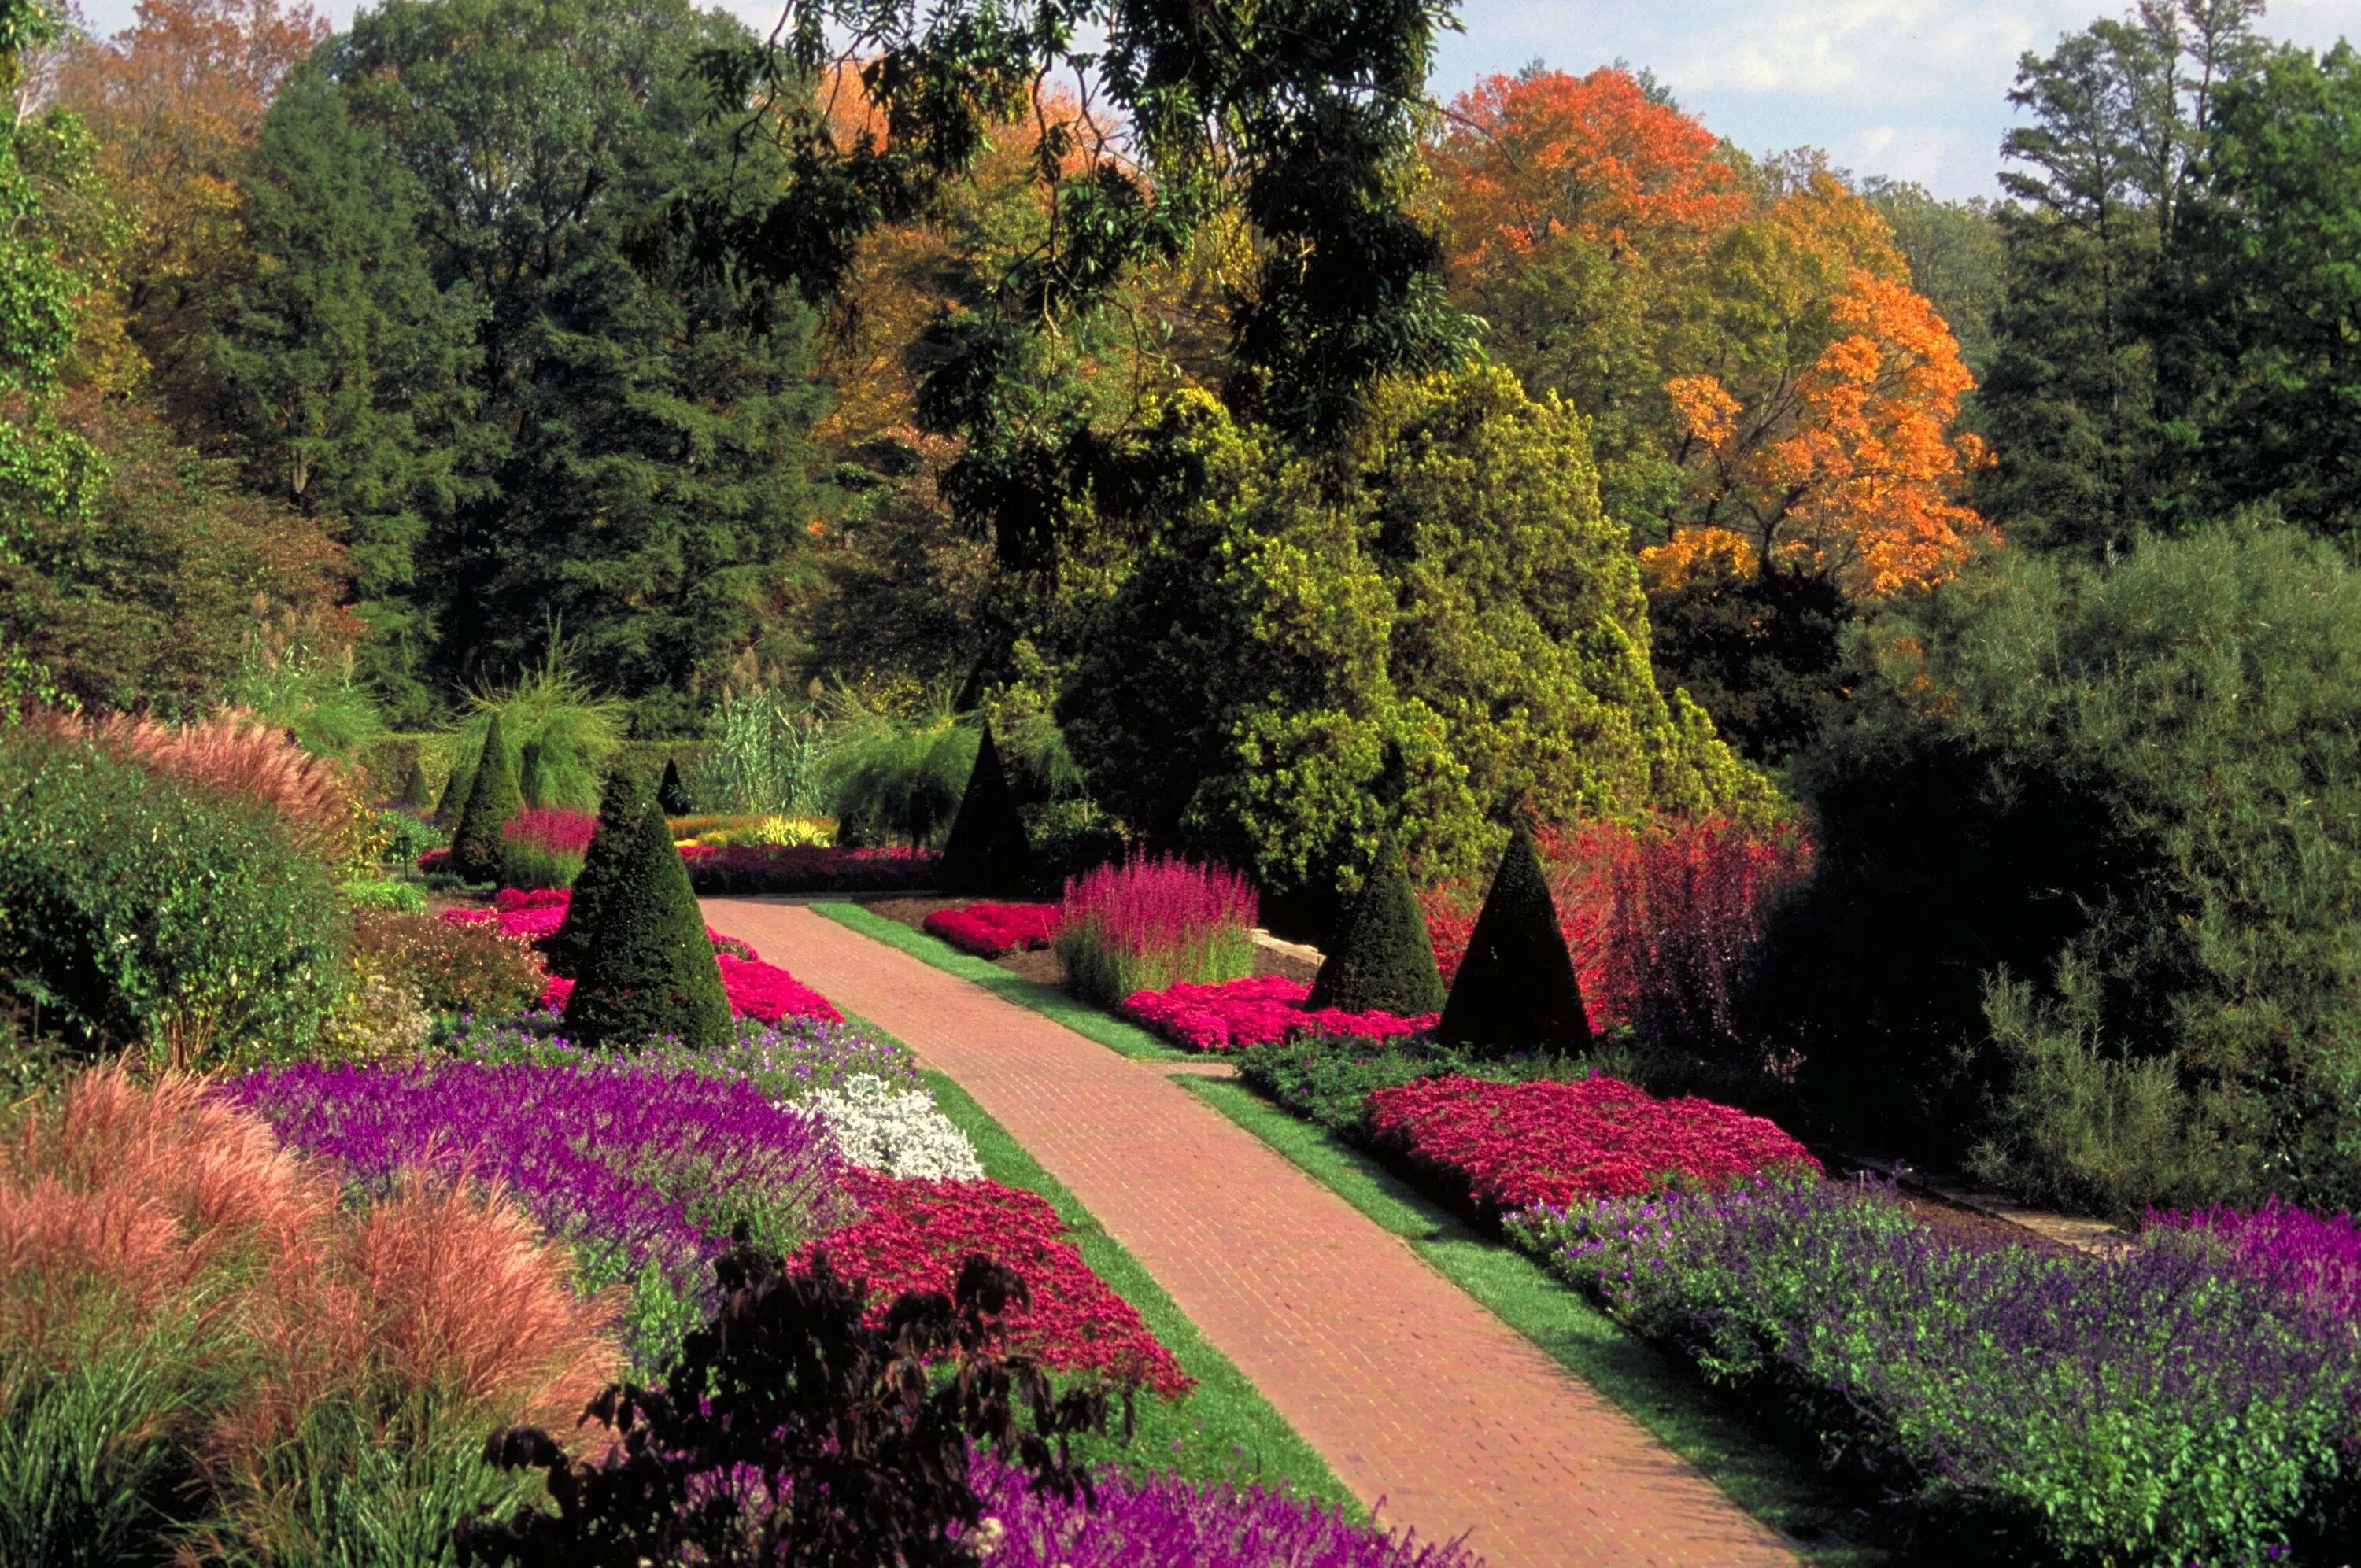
(1659, 917)
(535, 914)
(1228, 1014)
(756, 989)
(1510, 1145)
(803, 868)
(994, 931)
(914, 1235)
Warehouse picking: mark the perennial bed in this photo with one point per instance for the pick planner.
(759, 869)
(996, 930)
(1259, 1010)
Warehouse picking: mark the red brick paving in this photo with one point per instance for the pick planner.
(1415, 1395)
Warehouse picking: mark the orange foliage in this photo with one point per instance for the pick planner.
(236, 754)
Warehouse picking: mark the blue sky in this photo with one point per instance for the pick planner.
(1915, 89)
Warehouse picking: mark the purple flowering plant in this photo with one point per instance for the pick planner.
(2148, 1406)
(786, 1060)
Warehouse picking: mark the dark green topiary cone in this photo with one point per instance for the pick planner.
(454, 799)
(1516, 990)
(1382, 960)
(672, 794)
(622, 808)
(649, 968)
(987, 853)
(477, 845)
(416, 792)
(532, 775)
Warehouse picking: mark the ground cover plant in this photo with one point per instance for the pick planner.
(1151, 923)
(1234, 1014)
(788, 1060)
(996, 930)
(453, 966)
(2148, 1406)
(895, 1131)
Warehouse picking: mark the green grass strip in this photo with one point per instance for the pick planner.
(1775, 1485)
(1115, 1034)
(1222, 1430)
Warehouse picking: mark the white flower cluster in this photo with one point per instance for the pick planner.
(881, 1128)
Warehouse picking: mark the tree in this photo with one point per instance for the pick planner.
(480, 842)
(671, 793)
(416, 792)
(623, 805)
(1382, 959)
(1516, 990)
(649, 967)
(1955, 255)
(987, 852)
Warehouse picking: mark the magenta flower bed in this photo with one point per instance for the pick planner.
(756, 989)
(803, 868)
(2313, 1259)
(993, 930)
(1223, 1016)
(535, 914)
(554, 828)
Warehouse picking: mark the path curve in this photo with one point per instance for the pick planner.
(1414, 1393)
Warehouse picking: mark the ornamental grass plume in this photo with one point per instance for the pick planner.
(1151, 923)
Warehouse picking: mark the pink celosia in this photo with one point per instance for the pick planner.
(1226, 1014)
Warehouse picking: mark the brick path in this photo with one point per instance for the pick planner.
(1415, 1394)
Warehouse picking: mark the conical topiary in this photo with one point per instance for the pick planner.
(532, 775)
(649, 968)
(416, 792)
(454, 798)
(1516, 990)
(623, 808)
(987, 853)
(1382, 960)
(477, 845)
(672, 794)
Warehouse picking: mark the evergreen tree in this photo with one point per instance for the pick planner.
(416, 792)
(532, 775)
(649, 968)
(987, 853)
(672, 794)
(622, 807)
(479, 845)
(1516, 989)
(1382, 960)
(454, 798)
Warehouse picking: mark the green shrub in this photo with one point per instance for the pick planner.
(1516, 989)
(529, 863)
(457, 786)
(416, 792)
(1070, 837)
(478, 844)
(135, 910)
(649, 967)
(451, 968)
(671, 793)
(578, 733)
(1383, 960)
(407, 836)
(532, 775)
(891, 777)
(398, 897)
(987, 854)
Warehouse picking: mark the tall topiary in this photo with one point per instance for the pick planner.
(987, 852)
(478, 844)
(1516, 990)
(454, 798)
(649, 967)
(672, 794)
(1382, 960)
(623, 808)
(532, 775)
(416, 792)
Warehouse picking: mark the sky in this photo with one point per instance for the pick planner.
(1911, 89)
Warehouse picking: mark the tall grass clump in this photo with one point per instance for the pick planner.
(206, 1355)
(550, 708)
(888, 776)
(1151, 923)
(765, 760)
(309, 692)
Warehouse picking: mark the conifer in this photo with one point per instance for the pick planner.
(649, 968)
(987, 854)
(1382, 960)
(622, 807)
(479, 845)
(672, 794)
(416, 792)
(1516, 989)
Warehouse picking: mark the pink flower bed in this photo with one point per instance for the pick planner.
(1511, 1146)
(554, 828)
(803, 868)
(535, 914)
(762, 992)
(433, 860)
(990, 930)
(1225, 1015)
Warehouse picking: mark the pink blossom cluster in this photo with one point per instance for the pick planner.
(990, 930)
(759, 991)
(558, 829)
(535, 914)
(1223, 1016)
(1510, 1145)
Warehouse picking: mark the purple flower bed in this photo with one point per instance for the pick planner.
(2154, 1406)
(786, 1060)
(1165, 1520)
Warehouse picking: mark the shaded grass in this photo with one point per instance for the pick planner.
(1115, 1034)
(1772, 1481)
(1224, 1429)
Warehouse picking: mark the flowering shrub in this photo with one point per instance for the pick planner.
(786, 1060)
(1509, 1146)
(2153, 1407)
(778, 869)
(1148, 924)
(2314, 1259)
(452, 967)
(894, 1132)
(434, 859)
(1658, 917)
(1254, 1012)
(991, 930)
(1146, 1519)
(914, 1235)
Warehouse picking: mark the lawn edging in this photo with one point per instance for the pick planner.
(1090, 1023)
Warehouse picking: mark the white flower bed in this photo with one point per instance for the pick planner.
(881, 1128)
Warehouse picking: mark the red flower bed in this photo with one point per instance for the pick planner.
(759, 991)
(803, 868)
(535, 914)
(914, 1235)
(1221, 1015)
(990, 930)
(1510, 1145)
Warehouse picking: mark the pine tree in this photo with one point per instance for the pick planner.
(623, 805)
(416, 792)
(649, 968)
(987, 853)
(672, 794)
(1516, 989)
(478, 844)
(1382, 960)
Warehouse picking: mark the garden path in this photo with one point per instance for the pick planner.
(1419, 1398)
